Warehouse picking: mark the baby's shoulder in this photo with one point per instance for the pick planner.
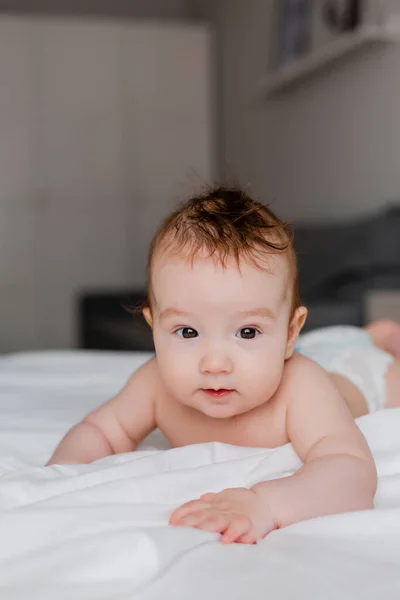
(144, 381)
(300, 374)
(299, 364)
(149, 374)
(151, 379)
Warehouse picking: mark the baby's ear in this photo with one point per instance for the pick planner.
(296, 325)
(147, 315)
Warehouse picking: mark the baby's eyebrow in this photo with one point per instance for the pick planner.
(264, 313)
(173, 312)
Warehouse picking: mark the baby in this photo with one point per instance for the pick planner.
(224, 308)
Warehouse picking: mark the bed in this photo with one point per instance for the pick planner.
(100, 531)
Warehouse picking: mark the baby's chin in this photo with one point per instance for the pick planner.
(219, 409)
(220, 412)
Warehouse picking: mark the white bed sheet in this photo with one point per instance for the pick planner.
(100, 530)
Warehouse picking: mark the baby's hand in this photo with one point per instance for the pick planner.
(239, 514)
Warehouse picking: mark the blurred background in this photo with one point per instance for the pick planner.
(111, 111)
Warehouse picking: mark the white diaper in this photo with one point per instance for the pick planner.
(350, 352)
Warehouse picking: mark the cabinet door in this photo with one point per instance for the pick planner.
(167, 108)
(104, 125)
(18, 301)
(83, 221)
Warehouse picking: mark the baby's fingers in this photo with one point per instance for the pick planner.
(217, 522)
(208, 497)
(194, 519)
(238, 528)
(186, 509)
(248, 538)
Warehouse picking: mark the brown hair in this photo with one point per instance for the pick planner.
(225, 222)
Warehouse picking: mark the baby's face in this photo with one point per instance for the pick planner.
(221, 335)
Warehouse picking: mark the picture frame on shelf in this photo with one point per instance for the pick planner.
(313, 35)
(334, 18)
(295, 30)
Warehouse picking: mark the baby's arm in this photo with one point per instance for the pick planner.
(339, 473)
(117, 426)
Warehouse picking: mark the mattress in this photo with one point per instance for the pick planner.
(101, 530)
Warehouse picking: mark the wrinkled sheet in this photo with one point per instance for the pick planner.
(100, 531)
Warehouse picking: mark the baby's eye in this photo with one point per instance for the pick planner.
(186, 333)
(247, 333)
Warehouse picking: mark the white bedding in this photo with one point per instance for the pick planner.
(100, 531)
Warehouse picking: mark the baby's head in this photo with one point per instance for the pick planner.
(223, 302)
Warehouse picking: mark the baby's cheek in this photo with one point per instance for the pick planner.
(262, 375)
(175, 369)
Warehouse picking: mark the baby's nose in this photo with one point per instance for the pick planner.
(216, 361)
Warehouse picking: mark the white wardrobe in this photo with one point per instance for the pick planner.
(104, 125)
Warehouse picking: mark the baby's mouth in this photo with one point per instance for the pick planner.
(220, 393)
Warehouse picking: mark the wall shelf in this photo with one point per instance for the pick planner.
(282, 79)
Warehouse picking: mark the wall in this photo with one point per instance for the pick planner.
(119, 8)
(329, 149)
(99, 139)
